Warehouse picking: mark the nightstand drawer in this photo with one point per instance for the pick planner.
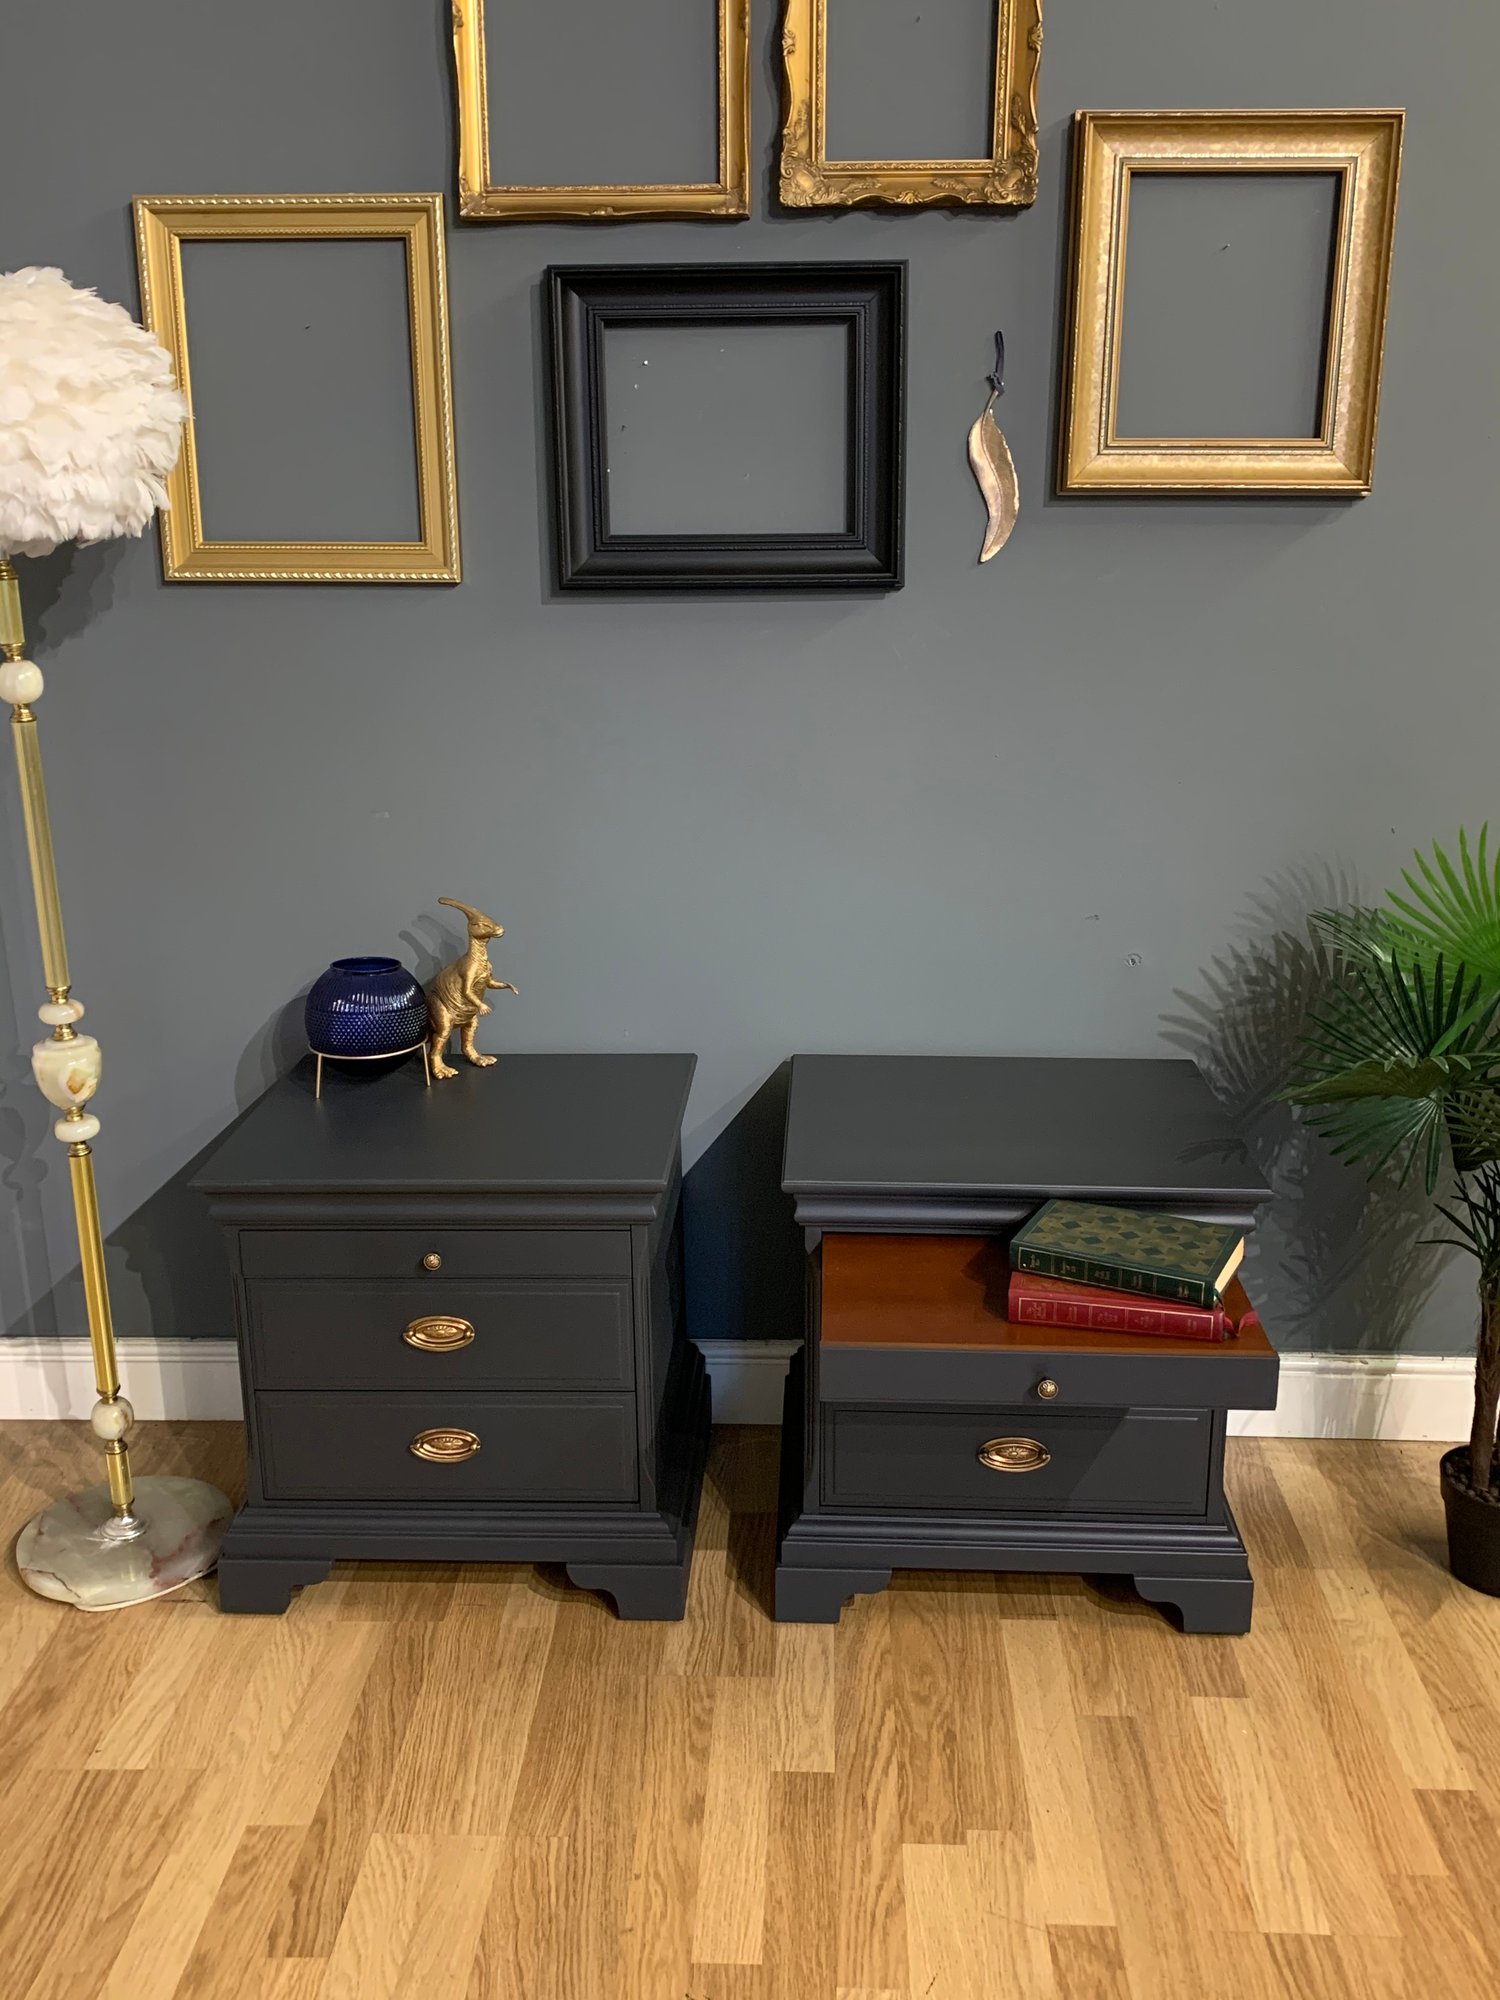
(459, 1253)
(466, 1334)
(532, 1448)
(1015, 1460)
(1094, 1372)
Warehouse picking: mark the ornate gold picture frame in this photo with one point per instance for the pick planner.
(1007, 179)
(1361, 148)
(481, 199)
(163, 223)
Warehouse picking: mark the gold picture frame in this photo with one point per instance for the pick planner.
(481, 199)
(1363, 148)
(163, 223)
(1007, 179)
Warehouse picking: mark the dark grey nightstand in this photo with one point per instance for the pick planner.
(922, 1430)
(460, 1314)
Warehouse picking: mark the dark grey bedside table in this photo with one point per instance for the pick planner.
(460, 1316)
(908, 1174)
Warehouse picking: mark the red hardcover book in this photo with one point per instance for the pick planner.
(1033, 1300)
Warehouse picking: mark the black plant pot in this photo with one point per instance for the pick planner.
(1473, 1525)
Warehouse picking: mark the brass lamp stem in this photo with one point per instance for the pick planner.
(67, 1064)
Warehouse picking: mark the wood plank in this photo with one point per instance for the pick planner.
(353, 1798)
(460, 1761)
(667, 1839)
(801, 1929)
(75, 1879)
(1070, 1882)
(176, 1663)
(1298, 1660)
(803, 1699)
(871, 1945)
(236, 1932)
(729, 1906)
(1379, 1663)
(414, 1919)
(1087, 1963)
(171, 1916)
(967, 1925)
(1280, 1882)
(926, 1677)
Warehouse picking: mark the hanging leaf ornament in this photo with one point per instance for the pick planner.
(993, 466)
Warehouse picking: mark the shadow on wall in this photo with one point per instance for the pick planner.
(25, 1137)
(1340, 1260)
(167, 1274)
(744, 1249)
(62, 594)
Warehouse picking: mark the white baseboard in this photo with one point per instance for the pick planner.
(1412, 1397)
(159, 1378)
(747, 1378)
(1400, 1396)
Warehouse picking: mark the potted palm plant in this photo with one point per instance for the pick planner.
(1400, 1068)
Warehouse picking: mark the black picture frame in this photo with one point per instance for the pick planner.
(584, 302)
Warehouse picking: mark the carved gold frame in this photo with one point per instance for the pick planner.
(163, 223)
(1007, 179)
(481, 199)
(1363, 148)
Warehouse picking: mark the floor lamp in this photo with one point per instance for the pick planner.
(90, 425)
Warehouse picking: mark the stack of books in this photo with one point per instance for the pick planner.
(1127, 1270)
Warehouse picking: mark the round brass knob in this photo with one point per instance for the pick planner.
(432, 1261)
(1046, 1388)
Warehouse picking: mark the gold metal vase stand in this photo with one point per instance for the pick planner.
(128, 1540)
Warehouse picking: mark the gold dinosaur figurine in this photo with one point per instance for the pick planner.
(455, 999)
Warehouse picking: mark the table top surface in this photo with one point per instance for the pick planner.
(532, 1124)
(1032, 1127)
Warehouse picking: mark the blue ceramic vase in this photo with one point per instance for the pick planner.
(365, 1007)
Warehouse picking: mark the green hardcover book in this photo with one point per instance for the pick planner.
(1130, 1250)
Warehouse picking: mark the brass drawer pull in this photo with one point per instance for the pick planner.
(1046, 1388)
(444, 1447)
(1013, 1455)
(438, 1333)
(433, 1261)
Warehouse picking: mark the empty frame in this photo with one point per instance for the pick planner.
(481, 198)
(1006, 177)
(1360, 152)
(190, 553)
(865, 304)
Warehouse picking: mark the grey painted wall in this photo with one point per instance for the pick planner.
(1077, 801)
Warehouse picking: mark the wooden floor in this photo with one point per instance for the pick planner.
(476, 1782)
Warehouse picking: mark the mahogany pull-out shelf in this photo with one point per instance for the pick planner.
(921, 1319)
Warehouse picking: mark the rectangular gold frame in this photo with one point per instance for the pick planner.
(480, 199)
(162, 224)
(1007, 179)
(1363, 148)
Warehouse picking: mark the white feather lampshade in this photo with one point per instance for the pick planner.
(90, 417)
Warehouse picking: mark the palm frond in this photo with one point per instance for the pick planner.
(1473, 1119)
(1360, 934)
(1377, 1133)
(1384, 1061)
(1456, 909)
(1475, 1215)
